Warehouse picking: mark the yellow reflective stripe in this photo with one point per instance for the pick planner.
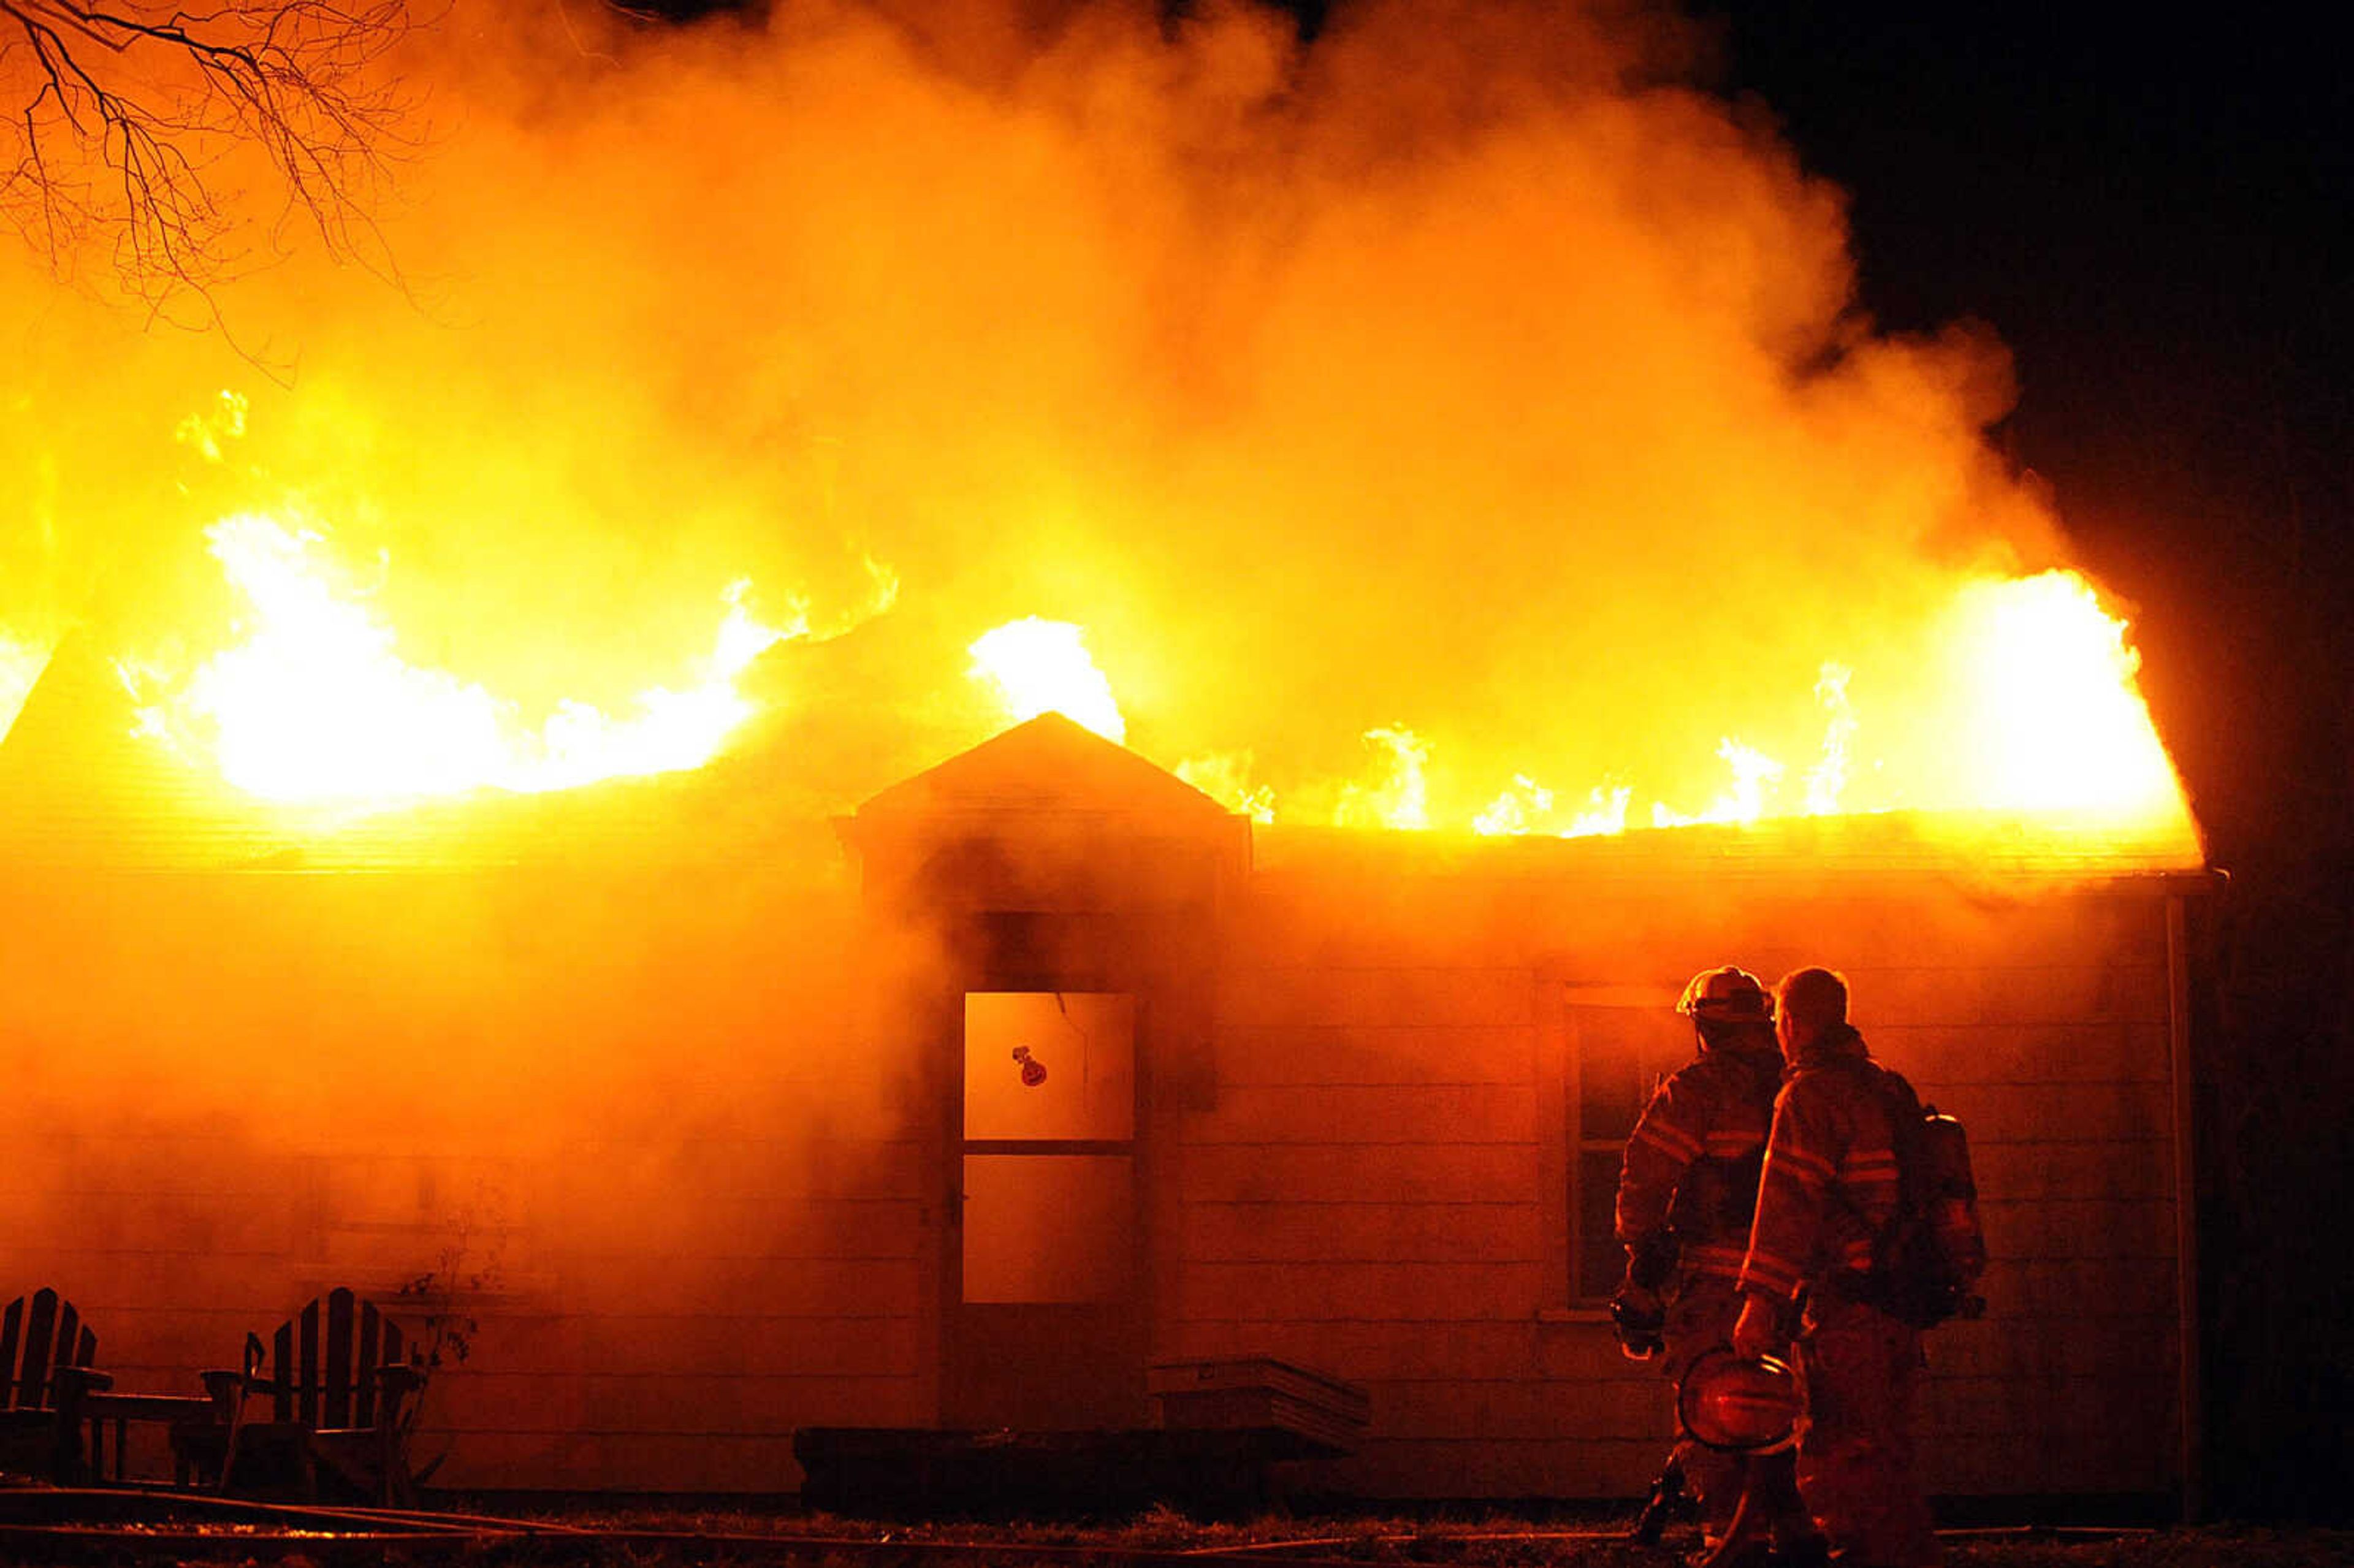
(1716, 1259)
(1668, 1140)
(1769, 1273)
(1808, 1171)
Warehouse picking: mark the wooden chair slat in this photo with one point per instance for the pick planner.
(11, 1340)
(363, 1394)
(335, 1372)
(40, 1325)
(306, 1409)
(68, 1330)
(281, 1372)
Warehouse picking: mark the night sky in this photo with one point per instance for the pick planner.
(2150, 213)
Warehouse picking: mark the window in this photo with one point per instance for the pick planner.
(1614, 1043)
(1049, 1147)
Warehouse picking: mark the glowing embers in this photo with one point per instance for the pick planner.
(1039, 666)
(315, 706)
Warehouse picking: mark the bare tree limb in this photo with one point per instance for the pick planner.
(137, 128)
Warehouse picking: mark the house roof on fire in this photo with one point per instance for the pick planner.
(83, 787)
(79, 785)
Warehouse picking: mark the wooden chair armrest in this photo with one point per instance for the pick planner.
(171, 1407)
(77, 1382)
(401, 1380)
(394, 1385)
(225, 1387)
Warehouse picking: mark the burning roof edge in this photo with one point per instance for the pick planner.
(1956, 846)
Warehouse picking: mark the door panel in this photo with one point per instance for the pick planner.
(1048, 1227)
(1040, 1327)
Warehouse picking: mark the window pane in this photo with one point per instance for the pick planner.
(1049, 1064)
(1622, 1054)
(1599, 1262)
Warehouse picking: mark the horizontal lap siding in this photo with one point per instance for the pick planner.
(736, 1334)
(1363, 1197)
(1435, 1173)
(1357, 1187)
(693, 1190)
(744, 1290)
(2051, 1043)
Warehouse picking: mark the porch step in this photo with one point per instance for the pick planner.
(1258, 1391)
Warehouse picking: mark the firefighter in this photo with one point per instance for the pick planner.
(1687, 1187)
(1828, 1187)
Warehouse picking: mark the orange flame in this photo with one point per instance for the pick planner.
(2050, 717)
(2029, 706)
(1038, 666)
(315, 706)
(20, 666)
(2032, 711)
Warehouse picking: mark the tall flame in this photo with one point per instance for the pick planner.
(1039, 666)
(2028, 707)
(20, 666)
(316, 706)
(1398, 794)
(2050, 717)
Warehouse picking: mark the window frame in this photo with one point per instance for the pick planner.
(1563, 1002)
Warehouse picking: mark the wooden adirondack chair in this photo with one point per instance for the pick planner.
(334, 1377)
(45, 1353)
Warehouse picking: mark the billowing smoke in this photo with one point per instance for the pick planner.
(1462, 369)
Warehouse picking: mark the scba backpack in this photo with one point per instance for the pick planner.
(1927, 1260)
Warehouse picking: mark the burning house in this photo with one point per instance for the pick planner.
(1521, 577)
(1081, 1074)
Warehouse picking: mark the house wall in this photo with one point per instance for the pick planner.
(624, 1126)
(653, 1130)
(1377, 1192)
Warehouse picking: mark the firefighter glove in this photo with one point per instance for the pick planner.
(1640, 1318)
(1650, 1262)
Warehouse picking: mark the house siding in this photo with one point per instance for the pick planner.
(1366, 1197)
(701, 1172)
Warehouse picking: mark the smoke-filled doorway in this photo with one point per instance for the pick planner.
(1042, 1326)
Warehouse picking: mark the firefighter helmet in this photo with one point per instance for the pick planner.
(1727, 995)
(1739, 1404)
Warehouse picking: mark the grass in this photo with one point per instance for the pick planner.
(1492, 1539)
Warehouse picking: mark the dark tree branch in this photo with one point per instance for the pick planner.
(136, 127)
